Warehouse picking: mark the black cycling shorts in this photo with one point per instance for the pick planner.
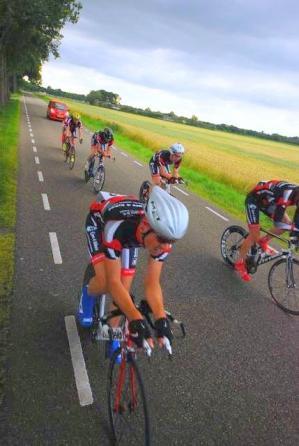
(253, 208)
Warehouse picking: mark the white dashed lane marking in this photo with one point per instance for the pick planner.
(80, 372)
(180, 190)
(36, 158)
(46, 202)
(40, 176)
(138, 164)
(124, 154)
(33, 142)
(216, 213)
(34, 149)
(55, 248)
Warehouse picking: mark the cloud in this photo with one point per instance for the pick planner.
(221, 52)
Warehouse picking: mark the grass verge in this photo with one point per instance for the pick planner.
(9, 131)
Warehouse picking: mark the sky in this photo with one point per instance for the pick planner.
(225, 61)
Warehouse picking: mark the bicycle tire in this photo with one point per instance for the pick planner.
(144, 191)
(130, 421)
(230, 242)
(72, 157)
(66, 152)
(99, 179)
(282, 294)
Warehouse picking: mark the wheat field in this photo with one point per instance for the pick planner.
(236, 160)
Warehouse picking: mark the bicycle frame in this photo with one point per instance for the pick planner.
(284, 253)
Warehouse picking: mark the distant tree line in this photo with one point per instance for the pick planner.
(112, 100)
(29, 32)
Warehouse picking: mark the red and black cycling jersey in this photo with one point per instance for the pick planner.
(272, 197)
(162, 158)
(73, 126)
(100, 138)
(111, 226)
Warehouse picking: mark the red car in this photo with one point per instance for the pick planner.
(57, 110)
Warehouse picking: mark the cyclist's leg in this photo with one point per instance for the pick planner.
(155, 173)
(252, 213)
(90, 287)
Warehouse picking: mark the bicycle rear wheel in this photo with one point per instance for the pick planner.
(127, 405)
(231, 241)
(72, 157)
(99, 179)
(144, 191)
(283, 282)
(66, 152)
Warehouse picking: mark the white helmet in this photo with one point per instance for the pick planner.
(177, 148)
(167, 216)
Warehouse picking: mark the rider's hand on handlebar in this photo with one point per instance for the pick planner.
(295, 240)
(163, 330)
(181, 180)
(139, 332)
(172, 180)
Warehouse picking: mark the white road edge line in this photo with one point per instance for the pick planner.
(34, 149)
(182, 191)
(80, 372)
(46, 202)
(216, 213)
(40, 176)
(55, 248)
(124, 154)
(138, 164)
(36, 158)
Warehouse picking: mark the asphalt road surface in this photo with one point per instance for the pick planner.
(233, 380)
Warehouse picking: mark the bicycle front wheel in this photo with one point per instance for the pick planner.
(231, 241)
(127, 405)
(283, 282)
(99, 179)
(72, 157)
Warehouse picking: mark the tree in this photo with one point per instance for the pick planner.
(103, 97)
(29, 32)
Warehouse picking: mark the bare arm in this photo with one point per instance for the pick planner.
(153, 290)
(118, 291)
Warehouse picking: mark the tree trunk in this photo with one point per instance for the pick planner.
(4, 95)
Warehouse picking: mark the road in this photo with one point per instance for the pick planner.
(234, 379)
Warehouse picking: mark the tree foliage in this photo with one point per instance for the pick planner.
(30, 32)
(102, 97)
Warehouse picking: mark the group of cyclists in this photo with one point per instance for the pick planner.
(118, 225)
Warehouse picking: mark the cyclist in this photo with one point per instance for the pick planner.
(102, 143)
(272, 198)
(116, 226)
(71, 126)
(161, 161)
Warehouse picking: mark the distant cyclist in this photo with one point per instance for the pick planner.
(72, 128)
(161, 162)
(116, 226)
(272, 198)
(101, 143)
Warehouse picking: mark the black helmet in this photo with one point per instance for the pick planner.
(108, 133)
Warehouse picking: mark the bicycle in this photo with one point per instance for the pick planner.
(70, 152)
(283, 277)
(127, 403)
(165, 184)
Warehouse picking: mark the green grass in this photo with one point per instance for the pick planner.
(9, 131)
